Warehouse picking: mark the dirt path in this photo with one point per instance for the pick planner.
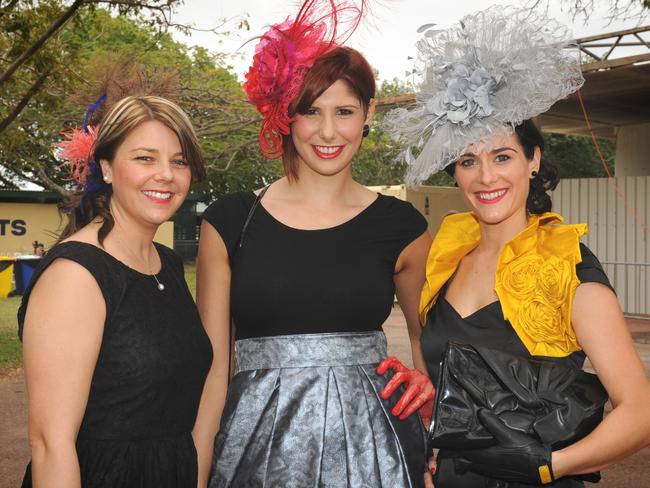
(14, 449)
(633, 472)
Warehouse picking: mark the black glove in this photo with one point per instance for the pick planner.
(517, 457)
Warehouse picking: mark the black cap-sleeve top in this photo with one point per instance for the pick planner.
(487, 326)
(292, 281)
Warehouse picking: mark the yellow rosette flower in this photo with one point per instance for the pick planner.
(541, 321)
(520, 277)
(554, 280)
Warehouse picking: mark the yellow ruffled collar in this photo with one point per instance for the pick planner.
(535, 277)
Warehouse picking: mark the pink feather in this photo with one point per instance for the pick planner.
(77, 151)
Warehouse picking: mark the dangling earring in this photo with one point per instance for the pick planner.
(534, 174)
(366, 130)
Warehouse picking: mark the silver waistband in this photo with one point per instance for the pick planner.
(310, 350)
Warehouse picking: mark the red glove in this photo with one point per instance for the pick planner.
(419, 392)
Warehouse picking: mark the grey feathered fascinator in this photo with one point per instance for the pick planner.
(494, 70)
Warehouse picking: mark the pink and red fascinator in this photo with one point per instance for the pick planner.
(284, 55)
(77, 152)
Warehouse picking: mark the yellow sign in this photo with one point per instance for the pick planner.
(23, 223)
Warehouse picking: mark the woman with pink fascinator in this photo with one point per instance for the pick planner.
(307, 268)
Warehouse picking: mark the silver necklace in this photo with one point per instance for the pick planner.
(160, 286)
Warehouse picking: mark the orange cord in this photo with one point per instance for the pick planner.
(610, 177)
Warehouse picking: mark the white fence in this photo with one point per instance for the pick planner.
(618, 232)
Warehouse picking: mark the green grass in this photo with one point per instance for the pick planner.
(190, 277)
(11, 351)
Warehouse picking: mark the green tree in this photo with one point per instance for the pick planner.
(378, 162)
(212, 96)
(576, 157)
(29, 49)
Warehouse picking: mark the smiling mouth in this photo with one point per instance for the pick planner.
(490, 196)
(327, 152)
(158, 196)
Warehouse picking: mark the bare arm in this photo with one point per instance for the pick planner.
(603, 334)
(213, 301)
(62, 336)
(409, 279)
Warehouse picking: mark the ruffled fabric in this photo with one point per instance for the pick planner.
(535, 277)
(482, 77)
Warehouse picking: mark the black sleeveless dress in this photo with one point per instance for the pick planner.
(303, 408)
(487, 327)
(147, 383)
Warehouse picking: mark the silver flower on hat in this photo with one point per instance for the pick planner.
(494, 70)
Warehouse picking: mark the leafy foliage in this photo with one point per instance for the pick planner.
(81, 54)
(576, 157)
(378, 163)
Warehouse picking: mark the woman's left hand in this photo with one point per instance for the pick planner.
(419, 392)
(517, 457)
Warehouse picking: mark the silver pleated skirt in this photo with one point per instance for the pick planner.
(304, 411)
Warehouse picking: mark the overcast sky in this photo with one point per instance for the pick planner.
(387, 43)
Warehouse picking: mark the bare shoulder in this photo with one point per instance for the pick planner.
(66, 280)
(87, 234)
(366, 195)
(65, 300)
(278, 186)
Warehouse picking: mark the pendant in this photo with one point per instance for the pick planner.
(161, 287)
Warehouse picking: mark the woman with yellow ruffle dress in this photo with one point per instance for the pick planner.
(509, 275)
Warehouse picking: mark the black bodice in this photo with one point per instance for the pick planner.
(147, 383)
(292, 281)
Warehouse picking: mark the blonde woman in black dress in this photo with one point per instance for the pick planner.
(114, 352)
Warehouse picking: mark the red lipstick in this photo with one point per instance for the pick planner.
(331, 152)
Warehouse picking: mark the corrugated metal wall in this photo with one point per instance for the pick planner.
(615, 235)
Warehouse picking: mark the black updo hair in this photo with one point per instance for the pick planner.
(547, 178)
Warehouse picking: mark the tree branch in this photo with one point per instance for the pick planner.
(7, 183)
(7, 8)
(213, 166)
(54, 27)
(137, 4)
(209, 129)
(19, 173)
(48, 183)
(20, 106)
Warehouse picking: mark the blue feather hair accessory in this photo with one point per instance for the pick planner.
(77, 152)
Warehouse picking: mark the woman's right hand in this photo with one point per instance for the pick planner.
(213, 302)
(419, 392)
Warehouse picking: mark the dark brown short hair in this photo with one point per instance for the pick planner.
(341, 63)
